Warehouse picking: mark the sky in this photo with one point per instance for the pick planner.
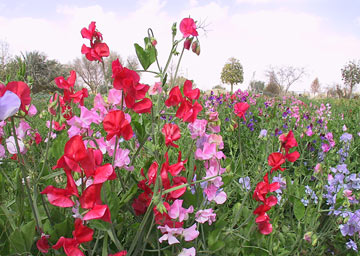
(320, 35)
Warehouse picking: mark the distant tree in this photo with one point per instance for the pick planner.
(219, 87)
(232, 73)
(315, 86)
(351, 76)
(285, 76)
(257, 86)
(132, 63)
(42, 71)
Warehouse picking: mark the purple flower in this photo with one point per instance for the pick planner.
(346, 137)
(351, 245)
(245, 183)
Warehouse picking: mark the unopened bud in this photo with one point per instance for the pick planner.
(153, 41)
(196, 47)
(187, 43)
(174, 29)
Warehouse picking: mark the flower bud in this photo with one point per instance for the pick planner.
(174, 29)
(187, 43)
(153, 41)
(196, 47)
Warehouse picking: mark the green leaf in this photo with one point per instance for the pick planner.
(17, 241)
(139, 131)
(147, 56)
(299, 209)
(99, 225)
(28, 232)
(218, 245)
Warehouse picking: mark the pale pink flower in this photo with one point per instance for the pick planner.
(177, 211)
(190, 233)
(344, 128)
(23, 130)
(215, 138)
(2, 151)
(317, 168)
(170, 234)
(86, 118)
(11, 146)
(74, 130)
(122, 159)
(188, 252)
(155, 89)
(213, 194)
(197, 128)
(206, 215)
(309, 132)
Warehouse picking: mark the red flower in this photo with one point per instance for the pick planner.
(188, 27)
(187, 111)
(79, 96)
(143, 106)
(82, 234)
(263, 187)
(265, 227)
(37, 138)
(58, 196)
(172, 133)
(287, 142)
(115, 124)
(91, 33)
(189, 92)
(20, 89)
(99, 212)
(275, 160)
(122, 253)
(104, 173)
(175, 97)
(240, 109)
(91, 196)
(42, 244)
(70, 245)
(66, 84)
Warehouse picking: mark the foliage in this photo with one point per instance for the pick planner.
(232, 72)
(257, 86)
(315, 86)
(284, 77)
(351, 76)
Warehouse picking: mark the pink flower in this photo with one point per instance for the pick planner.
(188, 27)
(197, 128)
(169, 234)
(2, 151)
(155, 89)
(309, 132)
(11, 146)
(208, 152)
(188, 252)
(325, 147)
(114, 97)
(317, 168)
(206, 215)
(177, 211)
(213, 194)
(32, 110)
(122, 159)
(190, 233)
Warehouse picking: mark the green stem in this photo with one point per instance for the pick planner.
(240, 148)
(46, 150)
(177, 68)
(21, 159)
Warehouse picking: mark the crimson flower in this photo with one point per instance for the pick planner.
(66, 84)
(115, 124)
(240, 108)
(187, 111)
(265, 227)
(191, 94)
(275, 160)
(79, 96)
(172, 133)
(42, 244)
(82, 234)
(91, 33)
(287, 142)
(175, 97)
(97, 49)
(58, 196)
(263, 187)
(188, 27)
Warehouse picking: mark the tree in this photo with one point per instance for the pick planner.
(42, 71)
(219, 87)
(285, 76)
(272, 87)
(257, 86)
(351, 76)
(315, 86)
(232, 73)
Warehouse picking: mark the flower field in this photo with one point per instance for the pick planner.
(164, 169)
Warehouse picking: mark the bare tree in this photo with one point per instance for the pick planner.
(315, 86)
(285, 76)
(90, 73)
(4, 53)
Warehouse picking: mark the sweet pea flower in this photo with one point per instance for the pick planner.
(263, 133)
(190, 233)
(197, 128)
(344, 128)
(114, 97)
(214, 194)
(188, 252)
(206, 215)
(9, 105)
(2, 152)
(188, 27)
(170, 234)
(208, 152)
(32, 110)
(155, 89)
(11, 146)
(122, 159)
(177, 211)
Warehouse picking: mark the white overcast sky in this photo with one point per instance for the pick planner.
(320, 35)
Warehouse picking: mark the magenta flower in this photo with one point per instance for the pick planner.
(114, 97)
(169, 234)
(197, 128)
(208, 152)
